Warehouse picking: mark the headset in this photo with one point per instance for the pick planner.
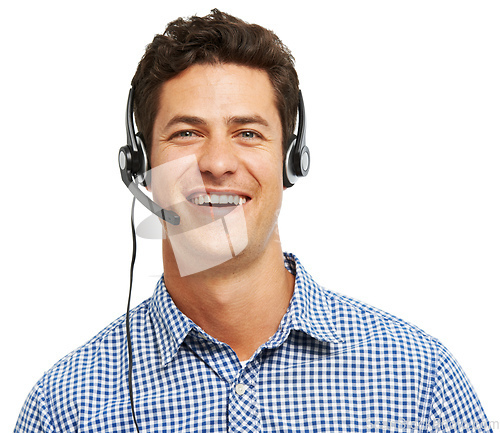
(135, 171)
(297, 160)
(134, 164)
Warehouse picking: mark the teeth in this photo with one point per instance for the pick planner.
(218, 199)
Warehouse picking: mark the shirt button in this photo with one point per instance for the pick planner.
(240, 389)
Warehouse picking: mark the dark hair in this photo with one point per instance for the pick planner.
(215, 38)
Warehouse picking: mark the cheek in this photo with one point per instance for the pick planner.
(269, 175)
(163, 154)
(265, 165)
(170, 177)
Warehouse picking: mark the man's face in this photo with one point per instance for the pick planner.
(219, 131)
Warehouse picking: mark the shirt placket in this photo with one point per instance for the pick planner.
(243, 411)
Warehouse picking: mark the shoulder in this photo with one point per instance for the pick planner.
(80, 377)
(107, 344)
(355, 323)
(359, 322)
(405, 354)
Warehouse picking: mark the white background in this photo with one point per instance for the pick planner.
(400, 210)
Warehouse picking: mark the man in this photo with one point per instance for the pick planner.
(237, 335)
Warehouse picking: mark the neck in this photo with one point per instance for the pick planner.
(240, 302)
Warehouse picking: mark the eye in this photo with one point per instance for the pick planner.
(249, 135)
(184, 134)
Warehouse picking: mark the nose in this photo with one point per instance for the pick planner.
(217, 157)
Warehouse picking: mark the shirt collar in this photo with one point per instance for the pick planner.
(311, 308)
(310, 311)
(170, 324)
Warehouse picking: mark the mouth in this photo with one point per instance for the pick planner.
(218, 200)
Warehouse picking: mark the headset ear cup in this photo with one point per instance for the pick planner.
(302, 161)
(143, 174)
(289, 177)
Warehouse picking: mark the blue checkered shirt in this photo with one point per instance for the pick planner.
(334, 365)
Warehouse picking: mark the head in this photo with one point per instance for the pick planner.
(217, 38)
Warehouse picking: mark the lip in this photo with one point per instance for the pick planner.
(211, 213)
(202, 191)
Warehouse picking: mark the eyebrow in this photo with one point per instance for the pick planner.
(233, 120)
(190, 120)
(244, 120)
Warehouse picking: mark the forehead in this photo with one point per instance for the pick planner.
(209, 91)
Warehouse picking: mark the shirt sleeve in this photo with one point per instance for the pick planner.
(34, 416)
(455, 406)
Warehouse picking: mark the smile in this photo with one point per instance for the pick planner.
(218, 200)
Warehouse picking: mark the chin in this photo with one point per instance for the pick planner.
(210, 245)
